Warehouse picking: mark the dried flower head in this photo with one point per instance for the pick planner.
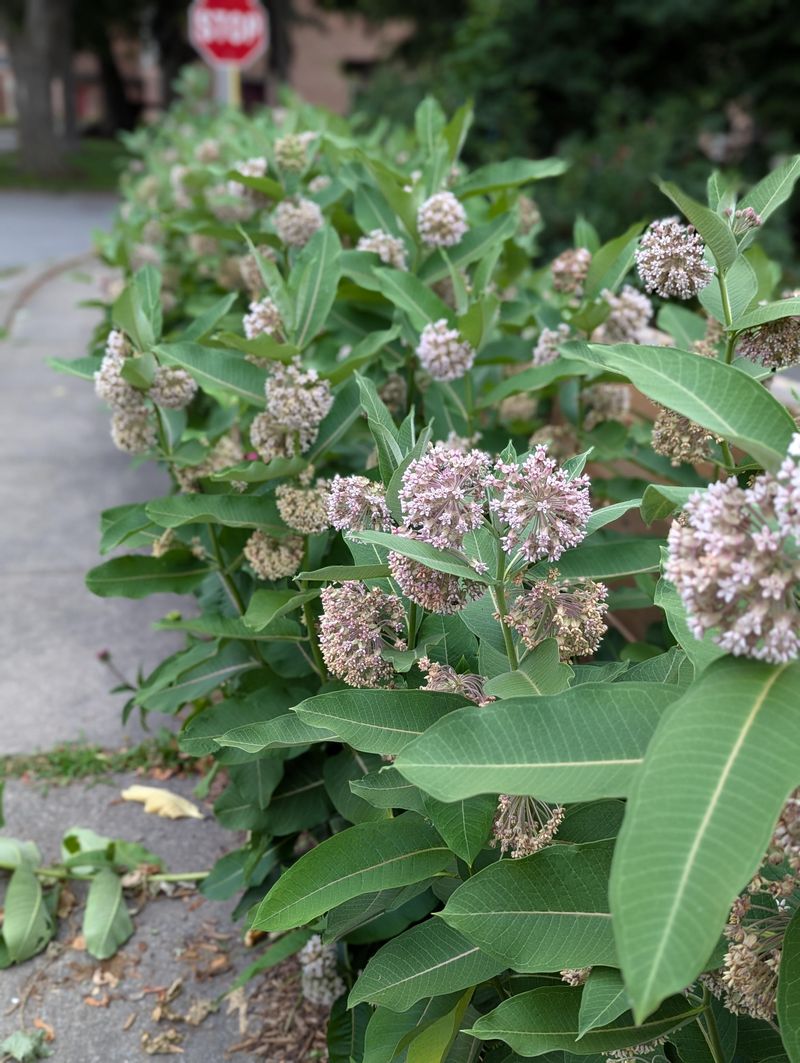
(776, 344)
(524, 825)
(544, 510)
(357, 624)
(569, 270)
(636, 1053)
(734, 560)
(164, 543)
(272, 440)
(172, 387)
(679, 439)
(394, 393)
(133, 430)
(319, 979)
(570, 611)
(443, 352)
(272, 559)
(438, 592)
(629, 319)
(670, 260)
(389, 249)
(441, 220)
(442, 495)
(305, 509)
(546, 349)
(263, 319)
(296, 221)
(356, 503)
(605, 402)
(443, 677)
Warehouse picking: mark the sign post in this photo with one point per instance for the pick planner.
(229, 35)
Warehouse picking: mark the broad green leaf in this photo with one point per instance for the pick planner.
(233, 660)
(540, 672)
(334, 573)
(774, 189)
(720, 397)
(762, 315)
(14, 853)
(204, 323)
(472, 247)
(234, 871)
(547, 1019)
(345, 1032)
(378, 721)
(607, 561)
(281, 733)
(139, 370)
(267, 606)
(388, 789)
(216, 370)
(257, 472)
(441, 560)
(585, 743)
(599, 518)
(455, 132)
(27, 923)
(389, 1031)
(699, 820)
(591, 821)
(701, 652)
(611, 264)
(434, 1043)
(408, 293)
(660, 501)
(234, 511)
(136, 576)
(233, 627)
(313, 284)
(107, 924)
(530, 380)
(692, 1043)
(83, 368)
(429, 123)
(344, 411)
(714, 230)
(685, 326)
(257, 779)
(788, 1000)
(428, 960)
(603, 999)
(273, 954)
(262, 346)
(464, 825)
(362, 354)
(542, 913)
(300, 801)
(339, 772)
(511, 173)
(121, 523)
(741, 284)
(361, 859)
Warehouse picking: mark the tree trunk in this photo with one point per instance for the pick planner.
(62, 14)
(31, 49)
(279, 57)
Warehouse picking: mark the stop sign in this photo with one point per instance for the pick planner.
(228, 32)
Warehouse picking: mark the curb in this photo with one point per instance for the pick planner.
(37, 282)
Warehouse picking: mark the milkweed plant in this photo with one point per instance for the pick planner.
(491, 568)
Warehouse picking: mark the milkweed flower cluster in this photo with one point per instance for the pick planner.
(572, 612)
(226, 451)
(569, 270)
(296, 221)
(544, 510)
(561, 440)
(775, 344)
(575, 976)
(357, 624)
(438, 592)
(743, 221)
(629, 319)
(172, 387)
(255, 167)
(529, 214)
(442, 220)
(670, 260)
(356, 504)
(319, 184)
(444, 677)
(271, 558)
(734, 560)
(636, 1053)
(297, 402)
(319, 979)
(291, 152)
(443, 352)
(524, 825)
(304, 508)
(546, 349)
(263, 319)
(442, 495)
(678, 438)
(249, 270)
(605, 402)
(389, 249)
(133, 428)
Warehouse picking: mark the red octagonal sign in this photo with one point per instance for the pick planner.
(228, 32)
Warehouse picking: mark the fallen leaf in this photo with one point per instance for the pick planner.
(97, 1002)
(162, 1044)
(199, 1011)
(101, 977)
(162, 802)
(49, 1032)
(78, 943)
(237, 1001)
(131, 1019)
(173, 990)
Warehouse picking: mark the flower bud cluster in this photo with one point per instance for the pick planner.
(319, 978)
(357, 624)
(569, 270)
(271, 558)
(442, 220)
(443, 352)
(572, 612)
(389, 249)
(670, 260)
(297, 220)
(524, 825)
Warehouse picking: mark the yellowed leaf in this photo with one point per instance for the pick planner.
(162, 802)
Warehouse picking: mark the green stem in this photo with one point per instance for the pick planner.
(62, 874)
(499, 596)
(710, 1031)
(163, 434)
(412, 626)
(313, 641)
(726, 303)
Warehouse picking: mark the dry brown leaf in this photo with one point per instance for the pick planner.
(237, 1001)
(97, 1002)
(78, 943)
(199, 1011)
(162, 802)
(49, 1032)
(131, 1019)
(163, 1044)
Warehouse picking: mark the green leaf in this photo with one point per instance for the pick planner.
(361, 859)
(585, 743)
(26, 1047)
(660, 501)
(232, 661)
(313, 283)
(344, 411)
(267, 606)
(612, 262)
(761, 315)
(435, 1041)
(511, 173)
(603, 999)
(139, 370)
(611, 560)
(389, 1031)
(547, 1019)
(256, 472)
(720, 397)
(136, 576)
(106, 922)
(27, 924)
(233, 627)
(475, 245)
(272, 955)
(204, 323)
(428, 960)
(530, 380)
(362, 354)
(388, 789)
(345, 1033)
(412, 296)
(542, 913)
(742, 285)
(788, 999)
(281, 733)
(464, 825)
(599, 518)
(216, 370)
(234, 511)
(335, 573)
(441, 560)
(429, 123)
(378, 721)
(339, 772)
(14, 853)
(699, 820)
(262, 346)
(714, 230)
(540, 672)
(83, 368)
(774, 189)
(701, 652)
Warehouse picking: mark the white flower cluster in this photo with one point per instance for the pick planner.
(443, 352)
(389, 249)
(320, 981)
(296, 221)
(442, 220)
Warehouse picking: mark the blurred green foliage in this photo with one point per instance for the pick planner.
(624, 89)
